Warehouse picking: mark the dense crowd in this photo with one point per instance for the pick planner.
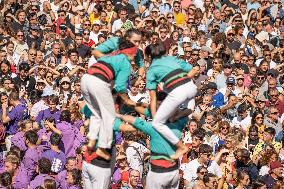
(132, 94)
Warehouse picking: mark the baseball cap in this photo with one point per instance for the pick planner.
(273, 72)
(211, 85)
(63, 26)
(230, 80)
(206, 49)
(64, 79)
(274, 165)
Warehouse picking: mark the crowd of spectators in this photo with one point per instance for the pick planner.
(234, 134)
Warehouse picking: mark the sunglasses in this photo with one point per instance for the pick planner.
(203, 172)
(86, 33)
(259, 118)
(65, 83)
(274, 113)
(231, 34)
(87, 24)
(169, 17)
(225, 128)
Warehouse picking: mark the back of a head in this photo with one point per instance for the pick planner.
(14, 95)
(49, 184)
(6, 179)
(155, 50)
(31, 136)
(24, 66)
(44, 166)
(55, 139)
(205, 148)
(207, 176)
(65, 116)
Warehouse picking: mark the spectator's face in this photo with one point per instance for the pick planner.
(52, 106)
(163, 33)
(227, 70)
(86, 25)
(245, 181)
(122, 163)
(49, 77)
(177, 7)
(242, 115)
(62, 15)
(225, 129)
(123, 15)
(135, 39)
(78, 40)
(205, 157)
(260, 79)
(134, 178)
(10, 48)
(32, 55)
(253, 135)
(154, 39)
(77, 87)
(56, 49)
(6, 84)
(264, 67)
(267, 55)
(70, 179)
(209, 119)
(195, 55)
(96, 27)
(192, 126)
(207, 100)
(230, 36)
(237, 58)
(39, 56)
(240, 82)
(10, 167)
(40, 86)
(259, 119)
(103, 16)
(22, 16)
(86, 35)
(4, 99)
(212, 183)
(273, 95)
(170, 18)
(201, 173)
(71, 164)
(23, 74)
(20, 36)
(108, 5)
(4, 68)
(267, 137)
(272, 84)
(196, 142)
(278, 171)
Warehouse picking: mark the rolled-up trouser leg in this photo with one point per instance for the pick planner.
(95, 177)
(97, 94)
(168, 107)
(167, 180)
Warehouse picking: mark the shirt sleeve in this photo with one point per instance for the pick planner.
(143, 126)
(151, 82)
(139, 59)
(116, 125)
(108, 46)
(184, 65)
(12, 114)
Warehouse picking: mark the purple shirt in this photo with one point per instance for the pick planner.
(71, 138)
(39, 180)
(22, 179)
(43, 132)
(45, 114)
(31, 158)
(61, 179)
(57, 160)
(78, 124)
(19, 140)
(17, 114)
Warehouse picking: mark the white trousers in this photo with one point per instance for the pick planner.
(98, 97)
(95, 177)
(175, 98)
(168, 180)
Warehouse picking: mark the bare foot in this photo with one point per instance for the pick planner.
(103, 153)
(181, 149)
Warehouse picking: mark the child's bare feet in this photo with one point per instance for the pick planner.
(181, 149)
(103, 153)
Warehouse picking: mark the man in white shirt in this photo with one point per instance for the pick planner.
(117, 24)
(243, 120)
(190, 171)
